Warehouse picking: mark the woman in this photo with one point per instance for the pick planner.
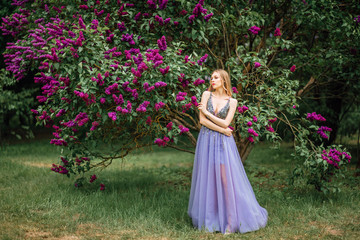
(221, 197)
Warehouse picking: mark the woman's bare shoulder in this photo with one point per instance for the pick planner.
(233, 101)
(206, 93)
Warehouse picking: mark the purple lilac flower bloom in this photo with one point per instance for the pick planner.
(207, 17)
(128, 38)
(167, 21)
(159, 19)
(183, 129)
(137, 16)
(252, 132)
(61, 112)
(202, 59)
(269, 128)
(148, 121)
(121, 26)
(162, 43)
(112, 115)
(277, 32)
(151, 4)
(162, 4)
(34, 111)
(243, 109)
(254, 30)
(81, 23)
(159, 105)
(112, 89)
(191, 18)
(180, 96)
(272, 120)
(323, 129)
(257, 64)
(94, 125)
(194, 101)
(169, 126)
(118, 100)
(160, 142)
(160, 84)
(93, 178)
(357, 19)
(164, 70)
(313, 116)
(198, 81)
(142, 107)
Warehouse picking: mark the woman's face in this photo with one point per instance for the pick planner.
(216, 80)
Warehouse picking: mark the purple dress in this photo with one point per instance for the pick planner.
(221, 196)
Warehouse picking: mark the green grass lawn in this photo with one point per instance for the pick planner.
(146, 197)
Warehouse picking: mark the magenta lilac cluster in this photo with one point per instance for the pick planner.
(194, 101)
(59, 169)
(292, 69)
(277, 32)
(323, 129)
(148, 121)
(153, 55)
(162, 43)
(252, 133)
(202, 59)
(269, 127)
(183, 129)
(162, 142)
(180, 96)
(94, 125)
(198, 10)
(257, 64)
(142, 107)
(164, 70)
(184, 82)
(357, 19)
(93, 178)
(152, 4)
(313, 116)
(198, 81)
(112, 116)
(159, 105)
(161, 21)
(333, 157)
(169, 126)
(242, 109)
(254, 30)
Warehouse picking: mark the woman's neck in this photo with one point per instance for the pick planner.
(220, 93)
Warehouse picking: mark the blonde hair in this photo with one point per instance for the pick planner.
(227, 83)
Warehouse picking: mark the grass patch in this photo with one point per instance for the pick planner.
(146, 197)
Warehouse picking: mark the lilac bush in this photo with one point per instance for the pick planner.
(110, 75)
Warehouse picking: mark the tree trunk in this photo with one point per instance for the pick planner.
(357, 153)
(335, 104)
(244, 148)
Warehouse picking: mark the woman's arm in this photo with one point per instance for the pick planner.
(203, 120)
(224, 123)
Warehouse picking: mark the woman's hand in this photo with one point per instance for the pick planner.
(227, 132)
(202, 108)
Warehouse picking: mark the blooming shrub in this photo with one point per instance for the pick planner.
(109, 74)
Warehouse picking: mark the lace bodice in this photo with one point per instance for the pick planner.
(222, 112)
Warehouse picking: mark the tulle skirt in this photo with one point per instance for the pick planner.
(221, 197)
